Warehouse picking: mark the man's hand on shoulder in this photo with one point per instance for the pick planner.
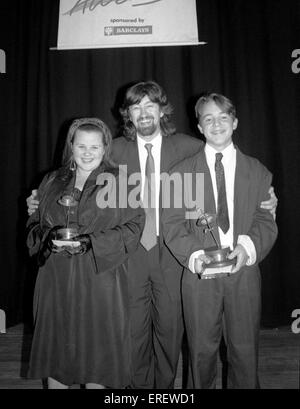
(270, 204)
(32, 202)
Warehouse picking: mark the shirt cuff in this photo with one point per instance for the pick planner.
(248, 245)
(192, 260)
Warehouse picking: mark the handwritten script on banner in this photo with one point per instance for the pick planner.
(126, 23)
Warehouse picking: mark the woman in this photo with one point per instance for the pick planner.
(81, 302)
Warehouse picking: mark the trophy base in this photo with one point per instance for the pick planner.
(66, 243)
(219, 257)
(220, 264)
(66, 233)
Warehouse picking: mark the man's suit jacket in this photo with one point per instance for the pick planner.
(173, 150)
(252, 182)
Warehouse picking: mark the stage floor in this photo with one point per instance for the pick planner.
(279, 362)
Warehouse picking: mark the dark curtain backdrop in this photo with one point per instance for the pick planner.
(248, 58)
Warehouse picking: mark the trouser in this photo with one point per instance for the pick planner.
(208, 305)
(156, 320)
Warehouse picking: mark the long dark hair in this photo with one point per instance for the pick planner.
(87, 124)
(156, 94)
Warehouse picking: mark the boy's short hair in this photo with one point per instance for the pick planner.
(220, 100)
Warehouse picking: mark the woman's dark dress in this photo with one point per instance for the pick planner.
(81, 302)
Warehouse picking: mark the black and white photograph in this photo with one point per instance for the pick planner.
(150, 197)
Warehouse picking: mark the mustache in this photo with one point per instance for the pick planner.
(143, 118)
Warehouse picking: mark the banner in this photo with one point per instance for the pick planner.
(126, 23)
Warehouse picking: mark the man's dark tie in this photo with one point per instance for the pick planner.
(222, 212)
(149, 238)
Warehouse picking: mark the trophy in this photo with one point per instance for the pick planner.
(218, 254)
(65, 236)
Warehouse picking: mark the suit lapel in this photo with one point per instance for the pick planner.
(209, 199)
(202, 167)
(131, 157)
(168, 154)
(241, 196)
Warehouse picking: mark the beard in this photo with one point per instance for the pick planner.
(147, 129)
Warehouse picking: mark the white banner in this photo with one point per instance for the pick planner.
(126, 23)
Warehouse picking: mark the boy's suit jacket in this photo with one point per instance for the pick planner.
(252, 182)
